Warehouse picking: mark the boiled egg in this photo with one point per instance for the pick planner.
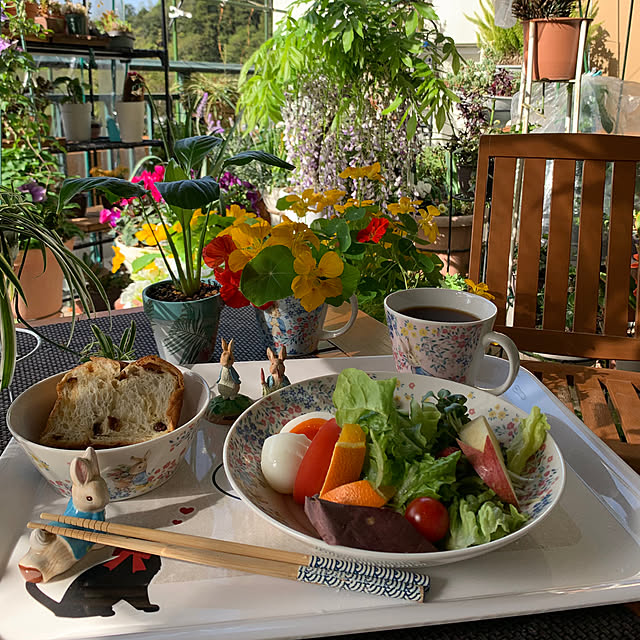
(281, 456)
(313, 417)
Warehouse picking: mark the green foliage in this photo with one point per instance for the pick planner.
(504, 44)
(103, 346)
(74, 89)
(394, 45)
(530, 9)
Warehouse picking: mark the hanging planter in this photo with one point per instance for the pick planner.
(555, 47)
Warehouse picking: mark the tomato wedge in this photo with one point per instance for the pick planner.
(309, 427)
(316, 461)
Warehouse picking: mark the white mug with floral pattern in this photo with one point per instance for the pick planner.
(444, 333)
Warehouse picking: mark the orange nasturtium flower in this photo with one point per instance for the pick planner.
(301, 204)
(239, 213)
(317, 282)
(329, 198)
(118, 259)
(372, 172)
(151, 234)
(480, 289)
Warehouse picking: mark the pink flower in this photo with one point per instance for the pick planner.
(110, 216)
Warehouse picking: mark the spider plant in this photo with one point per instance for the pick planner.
(530, 9)
(22, 221)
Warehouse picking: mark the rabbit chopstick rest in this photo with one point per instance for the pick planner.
(51, 555)
(229, 403)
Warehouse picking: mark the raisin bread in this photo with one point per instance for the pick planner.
(105, 403)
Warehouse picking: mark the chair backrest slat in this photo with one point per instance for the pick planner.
(589, 247)
(499, 241)
(619, 249)
(559, 245)
(517, 167)
(529, 234)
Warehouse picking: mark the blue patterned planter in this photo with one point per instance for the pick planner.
(185, 332)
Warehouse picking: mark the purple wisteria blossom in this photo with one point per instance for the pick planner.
(37, 191)
(4, 44)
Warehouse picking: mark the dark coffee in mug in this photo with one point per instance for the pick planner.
(439, 314)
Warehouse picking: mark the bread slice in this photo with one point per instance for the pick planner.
(104, 403)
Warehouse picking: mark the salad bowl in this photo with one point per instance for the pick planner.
(544, 473)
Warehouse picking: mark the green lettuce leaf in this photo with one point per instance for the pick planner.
(479, 519)
(531, 434)
(356, 393)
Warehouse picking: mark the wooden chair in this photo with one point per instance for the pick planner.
(573, 179)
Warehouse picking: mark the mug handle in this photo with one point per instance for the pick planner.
(512, 354)
(325, 335)
(38, 339)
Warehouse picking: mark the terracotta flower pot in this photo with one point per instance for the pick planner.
(57, 24)
(42, 287)
(555, 47)
(31, 10)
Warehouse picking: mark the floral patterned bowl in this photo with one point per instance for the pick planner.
(243, 446)
(128, 471)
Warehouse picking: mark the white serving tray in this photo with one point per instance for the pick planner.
(586, 553)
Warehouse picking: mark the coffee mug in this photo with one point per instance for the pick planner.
(444, 333)
(285, 323)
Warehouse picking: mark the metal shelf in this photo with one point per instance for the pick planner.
(102, 144)
(86, 48)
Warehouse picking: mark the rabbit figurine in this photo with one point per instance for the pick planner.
(277, 378)
(228, 380)
(50, 554)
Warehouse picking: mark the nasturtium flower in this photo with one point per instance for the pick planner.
(427, 223)
(317, 282)
(301, 204)
(294, 235)
(118, 259)
(217, 252)
(480, 289)
(329, 199)
(239, 213)
(405, 205)
(230, 287)
(352, 202)
(250, 240)
(151, 235)
(374, 231)
(372, 172)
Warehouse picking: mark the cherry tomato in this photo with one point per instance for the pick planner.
(316, 461)
(309, 427)
(429, 517)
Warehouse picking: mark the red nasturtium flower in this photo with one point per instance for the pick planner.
(217, 252)
(374, 231)
(230, 292)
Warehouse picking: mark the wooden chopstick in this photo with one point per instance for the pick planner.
(261, 566)
(227, 546)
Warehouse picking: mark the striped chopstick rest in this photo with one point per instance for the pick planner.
(261, 566)
(185, 540)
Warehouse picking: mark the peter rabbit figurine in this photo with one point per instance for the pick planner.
(225, 407)
(50, 554)
(277, 378)
(228, 380)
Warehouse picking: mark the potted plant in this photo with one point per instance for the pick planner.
(21, 221)
(118, 30)
(50, 16)
(357, 245)
(183, 310)
(76, 114)
(130, 111)
(75, 15)
(556, 37)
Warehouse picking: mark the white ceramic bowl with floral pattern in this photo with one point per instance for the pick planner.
(243, 446)
(128, 471)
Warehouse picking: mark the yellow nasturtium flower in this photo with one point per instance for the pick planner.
(480, 289)
(151, 234)
(250, 240)
(352, 202)
(301, 204)
(427, 223)
(372, 172)
(118, 259)
(317, 282)
(329, 199)
(405, 205)
(294, 235)
(239, 213)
